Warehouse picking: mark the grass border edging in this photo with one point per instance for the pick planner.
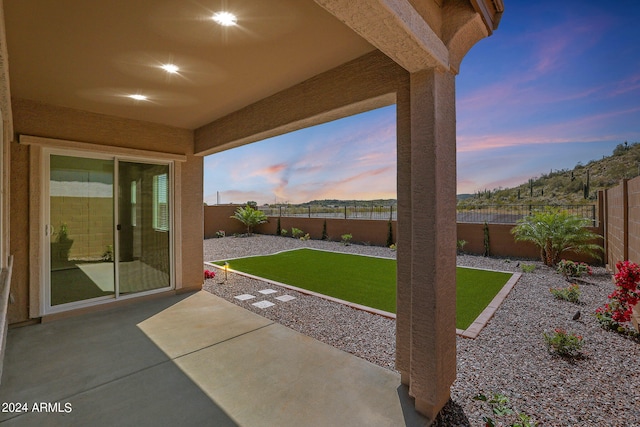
(308, 292)
(481, 321)
(471, 332)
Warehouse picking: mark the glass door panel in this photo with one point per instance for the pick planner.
(80, 229)
(143, 227)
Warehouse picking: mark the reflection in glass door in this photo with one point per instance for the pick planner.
(143, 227)
(80, 229)
(99, 249)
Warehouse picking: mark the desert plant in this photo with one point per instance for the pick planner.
(527, 268)
(570, 293)
(278, 229)
(460, 246)
(296, 233)
(570, 268)
(346, 238)
(499, 404)
(208, 274)
(284, 232)
(563, 343)
(325, 236)
(389, 234)
(220, 233)
(305, 237)
(556, 231)
(486, 239)
(250, 217)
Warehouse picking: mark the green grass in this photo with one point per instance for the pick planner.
(366, 280)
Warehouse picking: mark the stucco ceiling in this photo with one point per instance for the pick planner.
(89, 55)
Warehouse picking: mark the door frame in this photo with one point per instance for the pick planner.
(40, 303)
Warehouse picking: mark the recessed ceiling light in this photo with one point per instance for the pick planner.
(170, 68)
(138, 97)
(226, 19)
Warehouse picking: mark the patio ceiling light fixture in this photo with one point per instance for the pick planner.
(138, 97)
(170, 68)
(226, 19)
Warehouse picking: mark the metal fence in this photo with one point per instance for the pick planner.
(363, 211)
(493, 214)
(510, 214)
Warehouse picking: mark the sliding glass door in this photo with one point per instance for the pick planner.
(143, 228)
(80, 229)
(109, 225)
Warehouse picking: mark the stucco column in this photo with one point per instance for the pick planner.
(427, 354)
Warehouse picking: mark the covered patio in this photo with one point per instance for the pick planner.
(108, 109)
(193, 360)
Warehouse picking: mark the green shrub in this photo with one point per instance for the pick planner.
(555, 231)
(346, 238)
(570, 268)
(284, 232)
(570, 293)
(250, 217)
(528, 268)
(563, 343)
(325, 236)
(296, 233)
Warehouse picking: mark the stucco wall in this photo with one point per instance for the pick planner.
(31, 118)
(374, 232)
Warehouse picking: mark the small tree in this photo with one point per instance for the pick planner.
(249, 217)
(556, 231)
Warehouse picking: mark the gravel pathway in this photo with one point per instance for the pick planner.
(508, 357)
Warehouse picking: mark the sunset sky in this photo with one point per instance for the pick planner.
(558, 83)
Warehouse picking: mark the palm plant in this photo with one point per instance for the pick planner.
(250, 217)
(555, 231)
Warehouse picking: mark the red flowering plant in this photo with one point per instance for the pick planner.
(617, 311)
(208, 274)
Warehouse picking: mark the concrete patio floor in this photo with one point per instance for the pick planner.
(190, 360)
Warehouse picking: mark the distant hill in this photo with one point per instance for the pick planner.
(335, 202)
(579, 185)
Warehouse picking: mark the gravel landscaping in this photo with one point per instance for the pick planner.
(602, 388)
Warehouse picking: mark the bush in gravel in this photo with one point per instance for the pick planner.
(555, 231)
(563, 343)
(618, 311)
(346, 238)
(208, 274)
(499, 404)
(296, 233)
(570, 268)
(283, 232)
(528, 268)
(570, 293)
(250, 217)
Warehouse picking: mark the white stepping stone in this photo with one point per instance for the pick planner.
(267, 291)
(285, 298)
(263, 304)
(244, 297)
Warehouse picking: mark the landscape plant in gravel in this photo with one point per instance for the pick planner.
(570, 268)
(616, 314)
(528, 268)
(499, 404)
(571, 293)
(563, 343)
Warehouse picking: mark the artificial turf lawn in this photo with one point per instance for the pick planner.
(366, 280)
